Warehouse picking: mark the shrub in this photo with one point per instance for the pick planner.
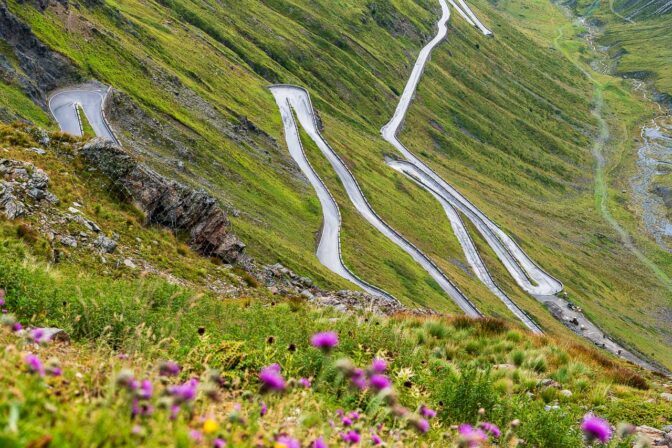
(628, 377)
(518, 358)
(464, 396)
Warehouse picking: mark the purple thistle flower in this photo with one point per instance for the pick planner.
(319, 443)
(16, 327)
(379, 365)
(470, 436)
(427, 412)
(136, 430)
(174, 411)
(288, 442)
(122, 356)
(55, 371)
(305, 382)
(324, 341)
(380, 382)
(375, 439)
(271, 378)
(145, 391)
(196, 436)
(264, 409)
(39, 336)
(352, 437)
(169, 368)
(421, 425)
(2, 297)
(596, 428)
(358, 379)
(491, 429)
(184, 392)
(218, 443)
(34, 364)
(346, 421)
(355, 415)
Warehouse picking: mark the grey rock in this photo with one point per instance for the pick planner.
(129, 263)
(105, 244)
(68, 241)
(666, 396)
(167, 202)
(566, 393)
(38, 151)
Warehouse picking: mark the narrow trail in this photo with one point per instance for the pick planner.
(598, 149)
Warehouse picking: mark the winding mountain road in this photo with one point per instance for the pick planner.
(292, 98)
(91, 98)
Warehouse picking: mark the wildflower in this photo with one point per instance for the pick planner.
(305, 382)
(491, 429)
(351, 437)
(184, 392)
(420, 424)
(2, 297)
(53, 367)
(169, 368)
(145, 390)
(272, 379)
(623, 430)
(34, 364)
(122, 356)
(375, 439)
(210, 426)
(358, 379)
(427, 412)
(174, 411)
(354, 415)
(346, 421)
(470, 437)
(264, 409)
(595, 428)
(137, 430)
(143, 409)
(218, 443)
(196, 436)
(378, 365)
(285, 441)
(39, 335)
(319, 443)
(379, 382)
(324, 341)
(126, 380)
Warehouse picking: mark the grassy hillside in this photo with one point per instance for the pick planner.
(507, 120)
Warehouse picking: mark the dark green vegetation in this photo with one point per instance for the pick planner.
(507, 120)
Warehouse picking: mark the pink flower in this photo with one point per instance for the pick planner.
(305, 382)
(324, 341)
(39, 335)
(427, 412)
(196, 436)
(16, 327)
(145, 391)
(358, 379)
(264, 409)
(169, 368)
(380, 382)
(346, 421)
(136, 430)
(34, 364)
(319, 443)
(354, 415)
(184, 392)
(174, 411)
(218, 443)
(378, 365)
(421, 425)
(55, 371)
(596, 428)
(288, 442)
(122, 356)
(352, 437)
(2, 297)
(491, 429)
(375, 439)
(271, 378)
(470, 436)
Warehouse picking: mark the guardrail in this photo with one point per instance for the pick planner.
(361, 282)
(526, 318)
(471, 308)
(107, 124)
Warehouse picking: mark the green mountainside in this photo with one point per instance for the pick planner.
(538, 126)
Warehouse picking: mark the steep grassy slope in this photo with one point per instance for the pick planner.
(506, 119)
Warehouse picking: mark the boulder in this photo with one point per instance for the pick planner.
(105, 244)
(167, 202)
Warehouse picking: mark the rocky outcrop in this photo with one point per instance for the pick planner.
(167, 202)
(44, 69)
(22, 187)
